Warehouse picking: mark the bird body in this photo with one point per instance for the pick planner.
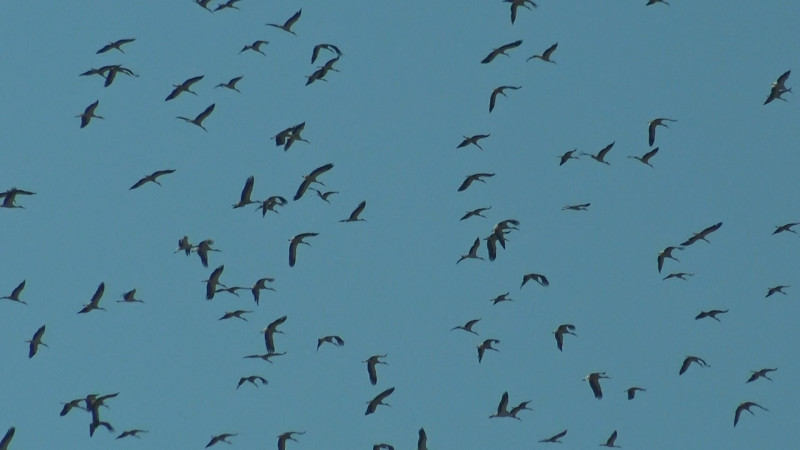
(372, 362)
(14, 296)
(294, 242)
(666, 253)
(287, 26)
(579, 207)
(689, 360)
(200, 117)
(220, 438)
(231, 84)
(651, 128)
(474, 177)
(475, 212)
(776, 289)
(88, 114)
(779, 88)
(269, 333)
(559, 333)
(645, 159)
(702, 235)
(255, 46)
(251, 379)
(335, 340)
(35, 342)
(745, 406)
(152, 178)
(594, 383)
(500, 90)
(116, 45)
(486, 345)
(600, 156)
(213, 281)
(247, 191)
(94, 303)
(467, 326)
(473, 140)
(356, 212)
(545, 56)
(373, 404)
(186, 86)
(632, 391)
(287, 436)
(473, 251)
(500, 51)
(311, 178)
(541, 279)
(713, 314)
(555, 438)
(610, 441)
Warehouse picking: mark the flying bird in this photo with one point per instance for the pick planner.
(778, 289)
(786, 227)
(294, 242)
(778, 88)
(473, 251)
(632, 391)
(287, 436)
(288, 136)
(270, 204)
(329, 47)
(251, 379)
(594, 383)
(689, 360)
(9, 197)
(247, 190)
(422, 441)
(184, 245)
(651, 128)
(645, 159)
(35, 342)
(237, 314)
(372, 362)
(501, 298)
(130, 297)
(356, 212)
(486, 345)
(261, 285)
(559, 333)
(580, 207)
(500, 51)
(311, 178)
(134, 433)
(270, 331)
(324, 195)
(266, 356)
(14, 297)
(335, 340)
(600, 156)
(567, 156)
(378, 400)
(204, 4)
(611, 440)
(213, 281)
(500, 90)
(745, 407)
(475, 212)
(152, 178)
(679, 275)
(88, 114)
(502, 407)
(702, 235)
(229, 4)
(713, 314)
(71, 404)
(516, 4)
(541, 279)
(94, 303)
(545, 56)
(112, 71)
(231, 84)
(666, 253)
(255, 46)
(220, 438)
(473, 140)
(7, 438)
(202, 250)
(287, 26)
(200, 117)
(467, 326)
(555, 438)
(474, 177)
(756, 374)
(186, 86)
(115, 45)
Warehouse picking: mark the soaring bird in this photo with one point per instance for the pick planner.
(579, 207)
(231, 84)
(237, 314)
(600, 156)
(7, 438)
(287, 26)
(467, 326)
(232, 289)
(473, 251)
(491, 246)
(559, 333)
(501, 298)
(269, 332)
(632, 391)
(679, 275)
(521, 406)
(220, 438)
(689, 360)
(372, 362)
(473, 140)
(666, 253)
(702, 235)
(134, 433)
(651, 128)
(486, 345)
(71, 404)
(474, 177)
(35, 342)
(610, 441)
(329, 47)
(152, 178)
(229, 4)
(88, 114)
(184, 245)
(356, 212)
(324, 195)
(516, 4)
(247, 190)
(594, 383)
(778, 289)
(251, 379)
(130, 297)
(266, 356)
(311, 178)
(786, 227)
(200, 117)
(422, 441)
(502, 407)
(255, 46)
(287, 436)
(378, 400)
(545, 56)
(778, 88)
(335, 340)
(745, 407)
(202, 250)
(261, 285)
(756, 374)
(115, 45)
(500, 90)
(555, 438)
(9, 197)
(186, 86)
(294, 242)
(14, 297)
(270, 204)
(500, 51)
(204, 4)
(541, 279)
(94, 303)
(213, 281)
(645, 159)
(288, 136)
(112, 71)
(475, 212)
(713, 314)
(567, 156)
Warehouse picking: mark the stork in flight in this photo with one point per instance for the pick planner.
(594, 383)
(666, 253)
(475, 212)
(422, 441)
(270, 204)
(600, 156)
(231, 84)
(689, 360)
(356, 212)
(266, 356)
(702, 235)
(545, 56)
(500, 90)
(184, 245)
(247, 190)
(229, 4)
(474, 177)
(130, 297)
(501, 298)
(220, 438)
(501, 51)
(580, 207)
(555, 438)
(502, 407)
(14, 296)
(745, 406)
(202, 250)
(252, 380)
(255, 46)
(467, 326)
(35, 342)
(541, 279)
(473, 140)
(288, 136)
(311, 178)
(88, 114)
(372, 362)
(515, 4)
(567, 156)
(237, 314)
(678, 275)
(778, 289)
(204, 4)
(213, 281)
(486, 345)
(473, 251)
(632, 391)
(610, 441)
(94, 303)
(756, 374)
(134, 433)
(261, 285)
(786, 227)
(287, 436)
(269, 333)
(329, 47)
(645, 159)
(152, 178)
(559, 333)
(200, 117)
(115, 45)
(10, 196)
(335, 340)
(713, 314)
(294, 242)
(186, 86)
(778, 88)
(287, 26)
(372, 405)
(651, 128)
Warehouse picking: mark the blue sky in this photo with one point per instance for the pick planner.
(410, 86)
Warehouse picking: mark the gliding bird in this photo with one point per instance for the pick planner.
(474, 177)
(632, 391)
(645, 159)
(651, 128)
(599, 157)
(559, 332)
(475, 212)
(666, 253)
(500, 51)
(95, 302)
(231, 84)
(756, 374)
(701, 236)
(255, 46)
(713, 314)
(689, 360)
(220, 438)
(786, 227)
(311, 178)
(186, 86)
(294, 242)
(88, 114)
(247, 190)
(778, 88)
(594, 383)
(115, 45)
(200, 117)
(373, 361)
(467, 326)
(745, 407)
(486, 345)
(356, 212)
(778, 289)
(473, 251)
(287, 436)
(287, 26)
(35, 342)
(545, 56)
(611, 440)
(500, 90)
(378, 400)
(270, 331)
(14, 297)
(555, 439)
(473, 140)
(152, 178)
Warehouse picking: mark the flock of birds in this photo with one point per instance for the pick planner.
(495, 240)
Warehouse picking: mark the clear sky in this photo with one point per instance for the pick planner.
(410, 85)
